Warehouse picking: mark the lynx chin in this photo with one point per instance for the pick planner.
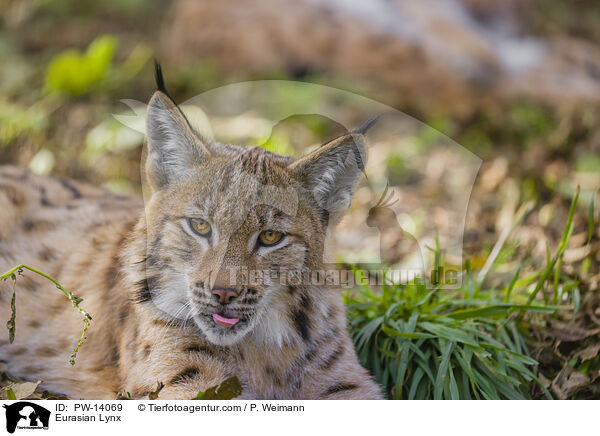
(156, 275)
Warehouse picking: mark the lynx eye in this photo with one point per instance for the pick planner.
(200, 226)
(269, 237)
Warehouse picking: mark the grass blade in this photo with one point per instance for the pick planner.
(442, 373)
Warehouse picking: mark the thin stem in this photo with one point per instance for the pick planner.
(74, 299)
(523, 211)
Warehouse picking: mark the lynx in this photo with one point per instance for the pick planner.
(165, 280)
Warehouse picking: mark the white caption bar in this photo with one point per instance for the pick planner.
(294, 417)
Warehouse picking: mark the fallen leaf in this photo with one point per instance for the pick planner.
(573, 333)
(229, 389)
(23, 390)
(588, 352)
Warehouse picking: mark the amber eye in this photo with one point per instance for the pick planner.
(269, 237)
(200, 226)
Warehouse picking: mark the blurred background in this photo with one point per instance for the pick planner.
(516, 82)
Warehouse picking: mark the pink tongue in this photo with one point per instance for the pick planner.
(224, 322)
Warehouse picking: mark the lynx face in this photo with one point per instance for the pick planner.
(228, 225)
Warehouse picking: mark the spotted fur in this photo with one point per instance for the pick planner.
(147, 279)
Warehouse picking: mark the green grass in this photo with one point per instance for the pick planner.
(424, 342)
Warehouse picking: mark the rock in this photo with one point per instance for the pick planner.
(447, 50)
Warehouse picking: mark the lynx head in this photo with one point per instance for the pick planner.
(225, 224)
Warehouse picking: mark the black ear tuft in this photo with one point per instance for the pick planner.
(366, 126)
(160, 85)
(160, 81)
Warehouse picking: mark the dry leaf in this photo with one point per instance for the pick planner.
(588, 352)
(24, 390)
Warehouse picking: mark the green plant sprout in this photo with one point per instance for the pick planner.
(74, 299)
(10, 395)
(556, 261)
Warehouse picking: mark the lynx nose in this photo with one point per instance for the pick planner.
(225, 295)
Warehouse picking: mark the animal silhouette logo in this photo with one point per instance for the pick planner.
(395, 243)
(26, 415)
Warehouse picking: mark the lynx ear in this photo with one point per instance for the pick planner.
(173, 146)
(331, 171)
